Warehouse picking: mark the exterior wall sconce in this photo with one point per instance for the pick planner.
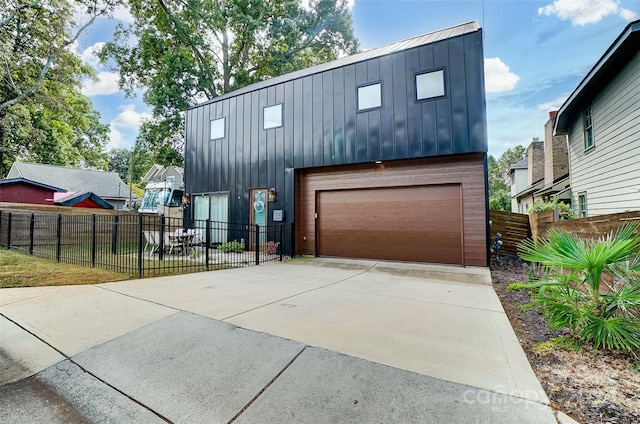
(272, 194)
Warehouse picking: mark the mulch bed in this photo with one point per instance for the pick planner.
(591, 386)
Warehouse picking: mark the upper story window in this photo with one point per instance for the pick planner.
(273, 116)
(217, 129)
(430, 85)
(370, 96)
(589, 140)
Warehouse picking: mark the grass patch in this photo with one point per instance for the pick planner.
(19, 270)
(562, 343)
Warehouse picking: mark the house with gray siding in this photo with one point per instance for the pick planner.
(601, 120)
(380, 155)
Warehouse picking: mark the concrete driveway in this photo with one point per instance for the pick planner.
(306, 341)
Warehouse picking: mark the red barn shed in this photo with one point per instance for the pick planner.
(22, 190)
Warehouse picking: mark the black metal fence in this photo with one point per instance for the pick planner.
(144, 244)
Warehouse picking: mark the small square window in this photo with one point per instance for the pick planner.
(273, 116)
(370, 96)
(430, 85)
(217, 129)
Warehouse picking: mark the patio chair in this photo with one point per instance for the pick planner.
(150, 240)
(171, 241)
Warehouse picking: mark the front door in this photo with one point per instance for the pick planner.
(258, 215)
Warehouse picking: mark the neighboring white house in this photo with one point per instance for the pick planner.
(518, 176)
(601, 119)
(544, 174)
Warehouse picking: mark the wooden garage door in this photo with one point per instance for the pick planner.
(416, 224)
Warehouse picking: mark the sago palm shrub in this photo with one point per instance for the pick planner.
(590, 287)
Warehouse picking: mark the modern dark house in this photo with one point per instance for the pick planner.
(378, 155)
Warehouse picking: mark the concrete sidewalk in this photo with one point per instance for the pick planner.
(310, 340)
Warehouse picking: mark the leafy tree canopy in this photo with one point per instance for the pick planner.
(499, 184)
(43, 115)
(185, 51)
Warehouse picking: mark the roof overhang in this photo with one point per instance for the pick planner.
(84, 200)
(21, 180)
(615, 58)
(530, 189)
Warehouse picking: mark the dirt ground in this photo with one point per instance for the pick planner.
(591, 386)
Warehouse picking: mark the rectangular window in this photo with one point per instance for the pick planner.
(273, 116)
(582, 205)
(370, 96)
(217, 129)
(589, 142)
(430, 85)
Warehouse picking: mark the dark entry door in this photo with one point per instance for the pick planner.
(258, 215)
(415, 224)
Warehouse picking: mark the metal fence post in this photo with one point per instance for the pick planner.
(114, 235)
(207, 232)
(59, 237)
(9, 231)
(93, 240)
(256, 243)
(281, 243)
(161, 244)
(31, 226)
(140, 267)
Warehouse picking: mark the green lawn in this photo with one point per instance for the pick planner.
(20, 270)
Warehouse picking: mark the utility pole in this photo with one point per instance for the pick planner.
(131, 181)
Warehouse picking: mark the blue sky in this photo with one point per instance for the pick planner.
(536, 53)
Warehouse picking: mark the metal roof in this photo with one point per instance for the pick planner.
(407, 44)
(612, 61)
(107, 185)
(34, 183)
(75, 198)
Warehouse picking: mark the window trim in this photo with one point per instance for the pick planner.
(264, 121)
(428, 99)
(582, 201)
(224, 128)
(588, 129)
(369, 84)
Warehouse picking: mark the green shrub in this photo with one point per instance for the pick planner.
(231, 246)
(564, 210)
(590, 287)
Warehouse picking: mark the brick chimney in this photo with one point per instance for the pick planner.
(535, 153)
(556, 156)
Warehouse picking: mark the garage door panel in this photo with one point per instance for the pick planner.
(422, 223)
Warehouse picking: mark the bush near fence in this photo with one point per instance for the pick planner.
(514, 228)
(586, 228)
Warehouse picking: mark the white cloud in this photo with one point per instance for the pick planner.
(553, 104)
(498, 76)
(89, 55)
(129, 118)
(582, 12)
(123, 127)
(628, 15)
(122, 13)
(106, 83)
(116, 140)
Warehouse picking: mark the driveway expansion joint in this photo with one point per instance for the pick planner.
(86, 371)
(264, 389)
(298, 294)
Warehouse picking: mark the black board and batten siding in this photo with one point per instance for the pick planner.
(322, 126)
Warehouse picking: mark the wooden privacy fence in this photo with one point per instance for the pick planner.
(514, 228)
(586, 228)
